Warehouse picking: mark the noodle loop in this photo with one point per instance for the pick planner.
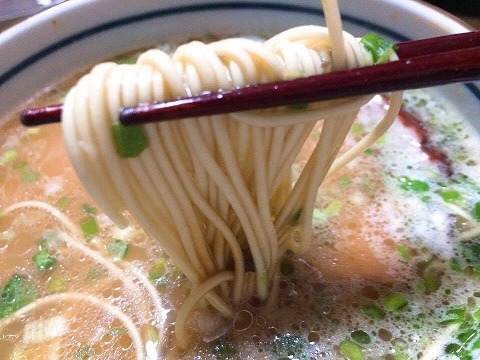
(216, 192)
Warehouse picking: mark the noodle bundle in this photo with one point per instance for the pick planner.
(217, 191)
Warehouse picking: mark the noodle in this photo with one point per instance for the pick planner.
(216, 191)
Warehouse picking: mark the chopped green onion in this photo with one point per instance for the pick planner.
(454, 315)
(368, 151)
(379, 48)
(351, 350)
(23, 165)
(89, 209)
(476, 211)
(223, 349)
(382, 139)
(357, 129)
(403, 251)
(29, 175)
(395, 301)
(344, 180)
(455, 265)
(333, 208)
(177, 272)
(152, 334)
(44, 261)
(129, 141)
(63, 203)
(58, 284)
(89, 228)
(416, 186)
(288, 345)
(158, 269)
(432, 281)
(373, 311)
(117, 248)
(84, 353)
(9, 156)
(451, 196)
(17, 292)
(361, 337)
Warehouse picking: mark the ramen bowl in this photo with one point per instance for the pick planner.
(369, 318)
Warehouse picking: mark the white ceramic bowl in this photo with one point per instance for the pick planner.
(78, 33)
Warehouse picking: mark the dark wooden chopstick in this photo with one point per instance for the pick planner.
(423, 63)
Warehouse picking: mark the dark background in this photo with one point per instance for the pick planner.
(463, 7)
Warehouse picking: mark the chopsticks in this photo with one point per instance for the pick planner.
(423, 63)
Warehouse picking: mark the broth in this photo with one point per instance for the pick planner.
(392, 272)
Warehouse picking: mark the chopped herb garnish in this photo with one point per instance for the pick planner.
(22, 165)
(117, 248)
(357, 129)
(157, 271)
(26, 174)
(413, 185)
(432, 281)
(382, 139)
(368, 151)
(455, 265)
(44, 261)
(89, 209)
(476, 211)
(379, 48)
(344, 180)
(84, 353)
(403, 251)
(152, 334)
(351, 350)
(454, 315)
(451, 196)
(63, 203)
(9, 156)
(288, 345)
(58, 284)
(129, 141)
(29, 175)
(89, 228)
(17, 292)
(333, 208)
(395, 301)
(467, 334)
(373, 311)
(223, 349)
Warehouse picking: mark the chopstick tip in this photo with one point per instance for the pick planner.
(41, 116)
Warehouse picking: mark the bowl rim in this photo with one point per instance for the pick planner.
(25, 57)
